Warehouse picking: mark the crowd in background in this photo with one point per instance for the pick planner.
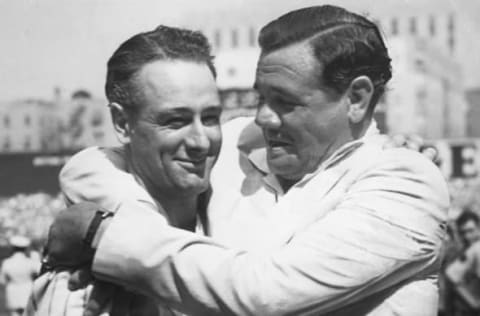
(28, 215)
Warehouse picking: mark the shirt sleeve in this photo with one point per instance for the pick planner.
(100, 175)
(388, 228)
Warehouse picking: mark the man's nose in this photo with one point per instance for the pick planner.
(266, 117)
(197, 139)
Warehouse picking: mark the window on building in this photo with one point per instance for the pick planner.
(234, 38)
(229, 99)
(252, 36)
(231, 72)
(431, 26)
(420, 65)
(451, 32)
(44, 145)
(249, 99)
(6, 121)
(6, 143)
(394, 26)
(413, 25)
(451, 43)
(217, 38)
(27, 144)
(451, 23)
(27, 120)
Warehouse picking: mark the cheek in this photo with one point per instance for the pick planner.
(167, 142)
(324, 126)
(306, 129)
(215, 136)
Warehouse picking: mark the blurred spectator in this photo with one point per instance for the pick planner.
(17, 273)
(463, 274)
(453, 249)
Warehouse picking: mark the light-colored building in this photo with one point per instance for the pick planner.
(436, 56)
(426, 94)
(473, 117)
(28, 126)
(452, 26)
(85, 121)
(55, 125)
(433, 44)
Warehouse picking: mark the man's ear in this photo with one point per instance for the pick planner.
(359, 94)
(120, 122)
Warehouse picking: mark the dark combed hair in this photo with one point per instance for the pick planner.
(346, 45)
(163, 43)
(466, 216)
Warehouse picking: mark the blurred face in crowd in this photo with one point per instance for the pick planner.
(175, 135)
(303, 121)
(469, 231)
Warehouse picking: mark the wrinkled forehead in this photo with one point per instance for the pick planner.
(165, 85)
(295, 62)
(294, 55)
(177, 80)
(176, 75)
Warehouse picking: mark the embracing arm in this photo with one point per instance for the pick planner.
(374, 239)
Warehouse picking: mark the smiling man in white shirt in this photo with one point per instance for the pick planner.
(166, 111)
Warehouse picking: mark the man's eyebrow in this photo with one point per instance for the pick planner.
(213, 108)
(188, 110)
(177, 110)
(281, 92)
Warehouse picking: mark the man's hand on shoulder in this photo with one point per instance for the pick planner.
(412, 142)
(71, 236)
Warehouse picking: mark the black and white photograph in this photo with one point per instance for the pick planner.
(239, 158)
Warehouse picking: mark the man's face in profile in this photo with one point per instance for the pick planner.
(302, 120)
(469, 232)
(176, 135)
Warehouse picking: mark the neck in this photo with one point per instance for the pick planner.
(286, 184)
(181, 210)
(358, 130)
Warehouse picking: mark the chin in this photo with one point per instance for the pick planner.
(194, 187)
(280, 167)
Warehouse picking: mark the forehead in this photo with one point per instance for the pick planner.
(292, 64)
(177, 83)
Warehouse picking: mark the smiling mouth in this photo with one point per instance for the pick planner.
(278, 143)
(192, 165)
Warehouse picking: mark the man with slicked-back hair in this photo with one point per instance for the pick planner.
(165, 110)
(319, 220)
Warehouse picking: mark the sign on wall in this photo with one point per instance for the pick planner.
(459, 158)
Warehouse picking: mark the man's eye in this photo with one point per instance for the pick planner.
(283, 102)
(176, 122)
(210, 120)
(284, 105)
